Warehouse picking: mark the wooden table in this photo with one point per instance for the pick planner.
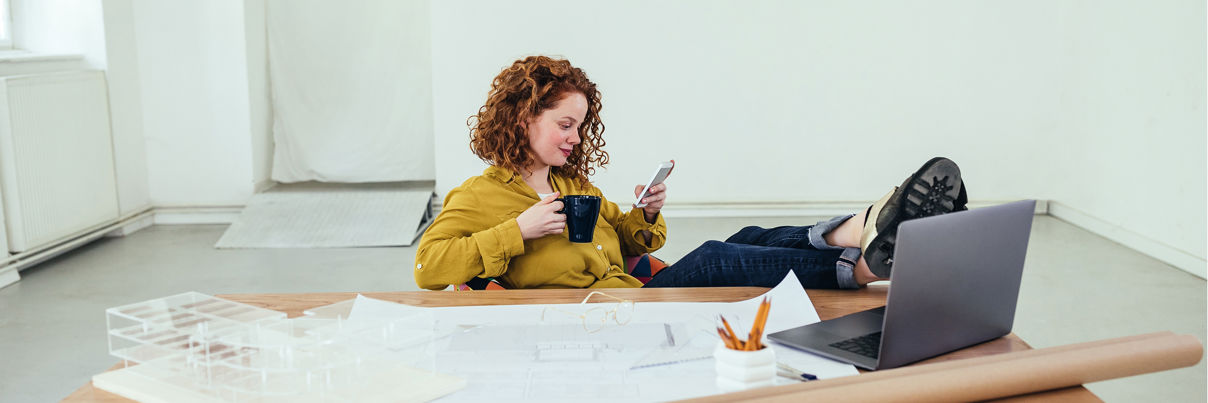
(829, 303)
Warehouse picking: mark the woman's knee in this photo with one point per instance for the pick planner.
(714, 246)
(751, 228)
(745, 234)
(709, 251)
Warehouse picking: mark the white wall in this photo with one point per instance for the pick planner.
(125, 106)
(418, 46)
(1133, 125)
(60, 26)
(194, 69)
(1098, 106)
(100, 31)
(258, 92)
(776, 100)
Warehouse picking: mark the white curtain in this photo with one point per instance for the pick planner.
(352, 90)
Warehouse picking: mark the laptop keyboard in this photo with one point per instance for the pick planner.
(868, 345)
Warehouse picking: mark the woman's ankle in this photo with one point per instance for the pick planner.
(863, 275)
(847, 234)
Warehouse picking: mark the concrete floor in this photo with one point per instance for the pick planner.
(1076, 287)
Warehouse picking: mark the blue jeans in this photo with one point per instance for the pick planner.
(761, 257)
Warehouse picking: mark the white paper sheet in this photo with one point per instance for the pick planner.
(509, 353)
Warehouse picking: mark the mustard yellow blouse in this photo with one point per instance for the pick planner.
(476, 234)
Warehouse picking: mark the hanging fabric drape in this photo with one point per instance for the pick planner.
(351, 90)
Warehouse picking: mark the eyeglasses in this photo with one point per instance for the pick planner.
(595, 318)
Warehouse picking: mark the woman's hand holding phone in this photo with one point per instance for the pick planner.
(650, 197)
(653, 200)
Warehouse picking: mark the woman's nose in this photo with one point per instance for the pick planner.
(573, 139)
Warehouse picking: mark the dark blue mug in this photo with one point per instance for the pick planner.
(581, 211)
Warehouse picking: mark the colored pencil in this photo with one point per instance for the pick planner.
(751, 341)
(767, 310)
(755, 338)
(738, 345)
(725, 338)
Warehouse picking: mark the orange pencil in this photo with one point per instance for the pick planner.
(754, 326)
(763, 323)
(725, 338)
(738, 345)
(761, 318)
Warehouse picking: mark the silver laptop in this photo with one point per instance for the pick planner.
(955, 282)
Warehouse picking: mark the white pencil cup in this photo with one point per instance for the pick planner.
(738, 370)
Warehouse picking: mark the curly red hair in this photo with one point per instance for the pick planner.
(520, 93)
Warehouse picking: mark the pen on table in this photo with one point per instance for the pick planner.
(789, 372)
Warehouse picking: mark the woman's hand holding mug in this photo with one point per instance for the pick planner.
(542, 219)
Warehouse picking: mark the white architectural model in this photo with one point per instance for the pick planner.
(195, 347)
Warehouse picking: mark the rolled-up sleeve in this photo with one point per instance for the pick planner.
(456, 247)
(629, 226)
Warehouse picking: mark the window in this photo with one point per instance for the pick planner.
(6, 26)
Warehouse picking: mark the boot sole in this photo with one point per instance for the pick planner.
(932, 190)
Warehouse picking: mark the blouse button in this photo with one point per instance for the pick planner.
(599, 247)
(419, 266)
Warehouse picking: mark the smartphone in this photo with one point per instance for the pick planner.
(660, 174)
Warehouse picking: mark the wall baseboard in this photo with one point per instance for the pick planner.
(12, 264)
(8, 276)
(793, 209)
(133, 226)
(1142, 244)
(197, 215)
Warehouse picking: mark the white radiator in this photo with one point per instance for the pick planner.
(56, 157)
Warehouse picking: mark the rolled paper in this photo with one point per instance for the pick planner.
(996, 376)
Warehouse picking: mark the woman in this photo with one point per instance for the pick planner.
(540, 131)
